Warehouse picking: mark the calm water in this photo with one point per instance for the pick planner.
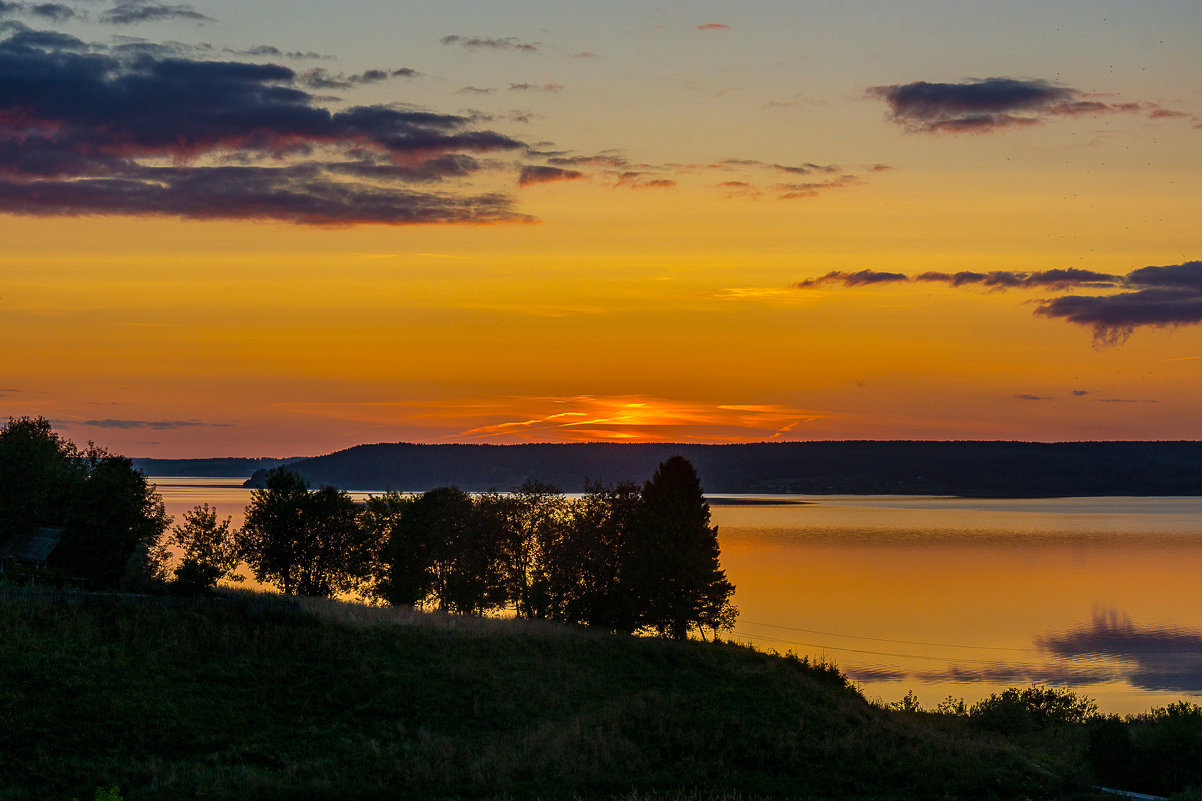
(948, 596)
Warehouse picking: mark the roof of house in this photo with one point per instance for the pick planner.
(32, 545)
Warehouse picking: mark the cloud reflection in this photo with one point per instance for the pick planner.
(1158, 658)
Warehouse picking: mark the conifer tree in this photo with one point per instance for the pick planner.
(677, 580)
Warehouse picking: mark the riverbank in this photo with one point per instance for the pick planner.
(246, 698)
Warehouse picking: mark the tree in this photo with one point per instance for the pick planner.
(111, 517)
(586, 566)
(306, 543)
(536, 516)
(441, 552)
(676, 580)
(208, 550)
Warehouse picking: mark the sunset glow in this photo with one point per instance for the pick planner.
(227, 233)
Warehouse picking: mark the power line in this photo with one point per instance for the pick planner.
(900, 642)
(826, 647)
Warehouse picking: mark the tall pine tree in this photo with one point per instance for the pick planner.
(677, 580)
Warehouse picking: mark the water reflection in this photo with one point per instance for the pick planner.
(951, 596)
(1155, 657)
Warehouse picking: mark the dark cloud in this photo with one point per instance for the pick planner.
(1027, 397)
(1080, 392)
(535, 87)
(323, 79)
(91, 132)
(54, 12)
(861, 278)
(1006, 279)
(155, 425)
(1156, 296)
(1160, 658)
(133, 12)
(985, 105)
(542, 175)
(490, 43)
(474, 90)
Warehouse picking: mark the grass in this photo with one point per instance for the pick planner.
(251, 698)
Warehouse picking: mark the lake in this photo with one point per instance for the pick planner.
(952, 596)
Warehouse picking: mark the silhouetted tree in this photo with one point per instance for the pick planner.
(586, 563)
(440, 552)
(270, 540)
(39, 475)
(112, 519)
(536, 512)
(306, 543)
(675, 576)
(208, 550)
(379, 516)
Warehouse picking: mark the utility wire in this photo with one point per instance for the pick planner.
(900, 642)
(826, 647)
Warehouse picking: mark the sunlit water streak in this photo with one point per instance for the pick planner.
(952, 596)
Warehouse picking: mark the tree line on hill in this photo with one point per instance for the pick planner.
(621, 557)
(978, 469)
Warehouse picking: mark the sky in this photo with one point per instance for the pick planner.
(252, 229)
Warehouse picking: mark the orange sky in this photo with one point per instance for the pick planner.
(717, 158)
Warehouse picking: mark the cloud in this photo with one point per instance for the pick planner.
(474, 90)
(272, 51)
(713, 26)
(490, 43)
(634, 179)
(861, 278)
(623, 418)
(1027, 397)
(1005, 279)
(535, 87)
(322, 79)
(1160, 657)
(1163, 296)
(1080, 392)
(542, 175)
(586, 54)
(133, 12)
(155, 425)
(979, 106)
(1157, 296)
(101, 131)
(54, 12)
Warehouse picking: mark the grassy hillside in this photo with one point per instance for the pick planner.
(247, 699)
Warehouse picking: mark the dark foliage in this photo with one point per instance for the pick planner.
(305, 542)
(617, 558)
(112, 519)
(675, 574)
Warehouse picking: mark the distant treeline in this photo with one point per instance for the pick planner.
(207, 468)
(981, 469)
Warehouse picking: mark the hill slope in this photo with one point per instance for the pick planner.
(230, 701)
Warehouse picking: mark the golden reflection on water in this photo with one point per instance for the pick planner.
(948, 596)
(951, 596)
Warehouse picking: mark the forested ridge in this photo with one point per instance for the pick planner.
(982, 469)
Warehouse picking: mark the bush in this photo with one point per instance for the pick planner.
(1015, 711)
